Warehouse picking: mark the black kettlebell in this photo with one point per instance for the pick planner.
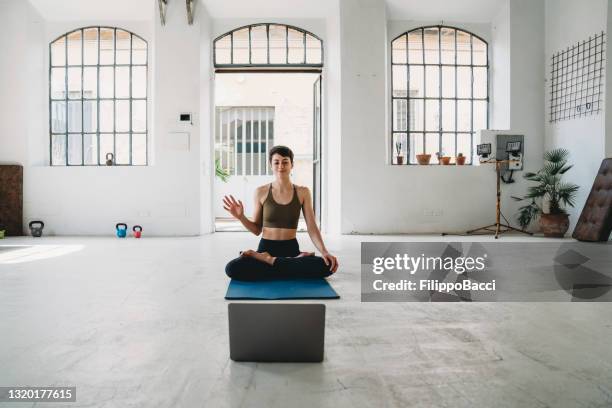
(36, 228)
(110, 160)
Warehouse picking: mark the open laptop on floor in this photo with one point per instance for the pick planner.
(276, 332)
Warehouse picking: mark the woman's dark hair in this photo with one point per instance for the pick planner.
(281, 150)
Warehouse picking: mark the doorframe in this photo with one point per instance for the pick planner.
(317, 185)
(321, 218)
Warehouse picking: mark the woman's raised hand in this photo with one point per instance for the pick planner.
(233, 207)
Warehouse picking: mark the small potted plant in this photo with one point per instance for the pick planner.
(398, 151)
(442, 159)
(460, 159)
(423, 159)
(549, 196)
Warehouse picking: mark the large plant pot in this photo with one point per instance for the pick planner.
(554, 225)
(423, 159)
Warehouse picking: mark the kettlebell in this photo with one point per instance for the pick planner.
(110, 159)
(36, 228)
(137, 230)
(121, 232)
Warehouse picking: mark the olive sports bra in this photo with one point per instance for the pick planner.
(281, 215)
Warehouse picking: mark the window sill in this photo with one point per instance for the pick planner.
(89, 166)
(432, 165)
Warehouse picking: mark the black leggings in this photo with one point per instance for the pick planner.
(285, 266)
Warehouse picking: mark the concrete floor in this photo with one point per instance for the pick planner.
(143, 323)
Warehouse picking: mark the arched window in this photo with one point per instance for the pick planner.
(98, 97)
(440, 92)
(267, 46)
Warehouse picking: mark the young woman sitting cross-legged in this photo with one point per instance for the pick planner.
(277, 210)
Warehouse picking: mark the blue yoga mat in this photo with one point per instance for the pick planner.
(281, 289)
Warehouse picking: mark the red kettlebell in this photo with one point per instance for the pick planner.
(137, 231)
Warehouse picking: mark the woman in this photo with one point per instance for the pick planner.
(277, 210)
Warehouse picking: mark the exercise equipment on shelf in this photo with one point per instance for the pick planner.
(110, 159)
(137, 231)
(36, 228)
(121, 232)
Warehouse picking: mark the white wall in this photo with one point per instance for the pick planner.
(608, 79)
(163, 197)
(381, 198)
(363, 192)
(13, 81)
(332, 124)
(567, 23)
(171, 196)
(527, 90)
(499, 71)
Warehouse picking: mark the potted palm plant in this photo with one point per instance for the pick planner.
(549, 197)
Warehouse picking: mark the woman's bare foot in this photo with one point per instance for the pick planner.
(260, 256)
(305, 254)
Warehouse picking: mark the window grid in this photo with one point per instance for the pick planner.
(404, 134)
(402, 116)
(82, 99)
(243, 135)
(314, 62)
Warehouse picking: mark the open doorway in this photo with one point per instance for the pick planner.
(267, 92)
(253, 112)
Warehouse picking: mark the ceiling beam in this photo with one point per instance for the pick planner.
(190, 10)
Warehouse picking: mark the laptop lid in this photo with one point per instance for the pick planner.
(276, 332)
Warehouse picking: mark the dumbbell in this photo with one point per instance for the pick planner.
(137, 230)
(36, 228)
(121, 232)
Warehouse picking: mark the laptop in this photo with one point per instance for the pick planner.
(276, 332)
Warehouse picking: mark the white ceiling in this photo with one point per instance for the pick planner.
(477, 11)
(268, 8)
(55, 10)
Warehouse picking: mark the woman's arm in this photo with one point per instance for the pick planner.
(315, 233)
(236, 209)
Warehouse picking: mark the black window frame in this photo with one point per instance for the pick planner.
(440, 98)
(314, 67)
(98, 99)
